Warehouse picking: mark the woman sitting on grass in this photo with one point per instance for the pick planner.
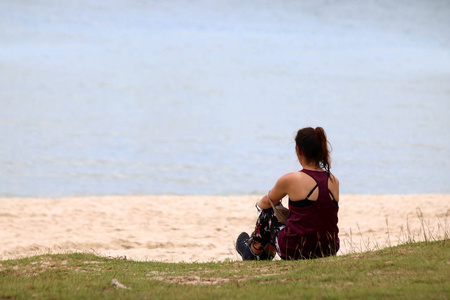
(311, 229)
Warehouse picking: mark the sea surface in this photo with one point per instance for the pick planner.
(205, 97)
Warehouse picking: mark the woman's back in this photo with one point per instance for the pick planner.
(311, 229)
(301, 185)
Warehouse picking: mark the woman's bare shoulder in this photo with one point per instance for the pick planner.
(333, 186)
(292, 176)
(296, 179)
(334, 180)
(286, 178)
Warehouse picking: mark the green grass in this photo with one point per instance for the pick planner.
(410, 271)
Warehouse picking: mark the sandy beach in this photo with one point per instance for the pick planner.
(198, 228)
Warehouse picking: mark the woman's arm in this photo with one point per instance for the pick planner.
(277, 193)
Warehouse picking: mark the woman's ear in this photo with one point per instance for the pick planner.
(299, 153)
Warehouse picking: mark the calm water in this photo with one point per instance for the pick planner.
(205, 97)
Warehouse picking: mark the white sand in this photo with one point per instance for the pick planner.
(197, 228)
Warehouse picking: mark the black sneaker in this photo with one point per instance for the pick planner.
(242, 247)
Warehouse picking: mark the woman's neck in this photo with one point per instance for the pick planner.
(310, 166)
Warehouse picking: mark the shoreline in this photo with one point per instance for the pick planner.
(202, 228)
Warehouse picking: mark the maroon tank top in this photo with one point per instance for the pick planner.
(311, 231)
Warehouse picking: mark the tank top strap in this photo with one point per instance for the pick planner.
(310, 193)
(321, 178)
